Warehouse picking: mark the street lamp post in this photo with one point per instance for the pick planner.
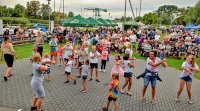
(49, 15)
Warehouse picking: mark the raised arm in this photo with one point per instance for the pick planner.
(156, 64)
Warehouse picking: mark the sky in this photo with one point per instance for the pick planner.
(114, 7)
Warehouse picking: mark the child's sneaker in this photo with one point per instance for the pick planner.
(104, 71)
(104, 109)
(74, 82)
(48, 79)
(100, 70)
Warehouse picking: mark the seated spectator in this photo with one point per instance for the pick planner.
(176, 51)
(168, 49)
(193, 38)
(157, 37)
(155, 46)
(182, 51)
(165, 39)
(162, 45)
(172, 39)
(197, 40)
(187, 42)
(123, 39)
(192, 51)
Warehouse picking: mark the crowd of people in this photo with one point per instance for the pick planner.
(75, 53)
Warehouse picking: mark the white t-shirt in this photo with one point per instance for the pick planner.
(129, 51)
(151, 68)
(69, 67)
(133, 38)
(95, 59)
(67, 51)
(188, 40)
(157, 37)
(127, 67)
(186, 73)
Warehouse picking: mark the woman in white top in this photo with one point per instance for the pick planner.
(127, 74)
(151, 74)
(189, 66)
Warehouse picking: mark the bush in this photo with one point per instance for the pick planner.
(14, 20)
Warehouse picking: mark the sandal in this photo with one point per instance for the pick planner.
(153, 102)
(97, 80)
(129, 93)
(142, 99)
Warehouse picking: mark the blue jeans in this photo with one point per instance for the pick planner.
(151, 79)
(186, 47)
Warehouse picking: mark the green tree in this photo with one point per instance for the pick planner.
(45, 10)
(71, 14)
(3, 11)
(33, 9)
(138, 18)
(150, 18)
(19, 10)
(168, 9)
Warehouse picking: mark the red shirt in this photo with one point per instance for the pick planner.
(100, 48)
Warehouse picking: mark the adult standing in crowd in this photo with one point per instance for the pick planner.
(151, 74)
(9, 53)
(94, 62)
(37, 81)
(189, 66)
(39, 41)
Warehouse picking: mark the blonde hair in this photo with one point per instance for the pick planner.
(116, 75)
(193, 62)
(36, 57)
(46, 55)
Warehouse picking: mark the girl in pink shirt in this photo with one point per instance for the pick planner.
(104, 57)
(60, 53)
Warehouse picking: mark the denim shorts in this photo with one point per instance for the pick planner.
(186, 79)
(152, 79)
(48, 71)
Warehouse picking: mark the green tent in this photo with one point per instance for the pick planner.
(93, 21)
(131, 23)
(76, 21)
(112, 23)
(105, 23)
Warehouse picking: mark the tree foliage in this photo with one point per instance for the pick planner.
(45, 11)
(33, 9)
(71, 14)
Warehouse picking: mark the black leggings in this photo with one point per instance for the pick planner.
(103, 64)
(9, 59)
(40, 50)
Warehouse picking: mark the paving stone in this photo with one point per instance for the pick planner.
(17, 92)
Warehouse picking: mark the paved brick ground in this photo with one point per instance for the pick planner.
(17, 92)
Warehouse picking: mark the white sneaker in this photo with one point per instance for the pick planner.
(104, 70)
(100, 70)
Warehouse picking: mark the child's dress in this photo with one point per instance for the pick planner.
(117, 68)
